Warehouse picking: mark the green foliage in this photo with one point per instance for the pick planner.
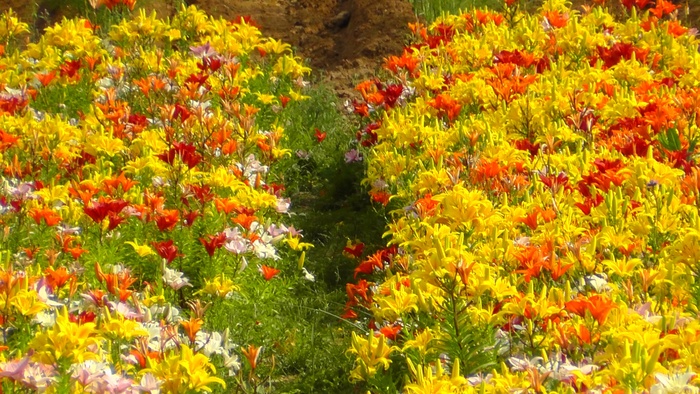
(67, 100)
(300, 320)
(432, 9)
(670, 140)
(299, 323)
(330, 205)
(470, 342)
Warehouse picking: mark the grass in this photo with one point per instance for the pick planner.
(432, 9)
(301, 321)
(331, 207)
(297, 322)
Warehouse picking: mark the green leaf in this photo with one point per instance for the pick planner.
(670, 140)
(471, 342)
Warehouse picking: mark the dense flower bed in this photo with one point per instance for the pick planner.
(138, 183)
(541, 171)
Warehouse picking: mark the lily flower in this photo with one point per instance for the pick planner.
(675, 383)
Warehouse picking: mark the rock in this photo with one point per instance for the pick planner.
(339, 21)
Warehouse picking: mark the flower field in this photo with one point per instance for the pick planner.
(537, 173)
(139, 189)
(541, 174)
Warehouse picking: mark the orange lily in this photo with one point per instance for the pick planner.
(268, 272)
(252, 353)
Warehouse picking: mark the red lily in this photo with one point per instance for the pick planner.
(320, 136)
(100, 210)
(167, 219)
(213, 243)
(166, 250)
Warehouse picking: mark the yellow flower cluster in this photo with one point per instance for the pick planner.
(542, 171)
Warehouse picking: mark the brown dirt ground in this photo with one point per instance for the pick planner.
(345, 49)
(344, 40)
